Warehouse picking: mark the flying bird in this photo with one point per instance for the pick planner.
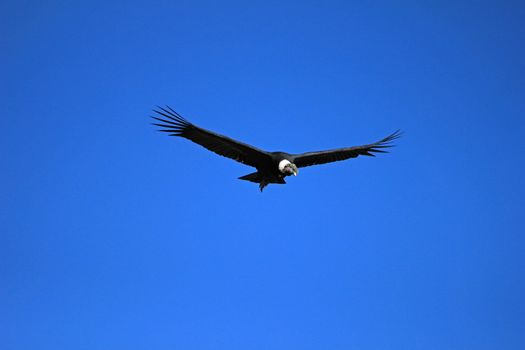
(272, 167)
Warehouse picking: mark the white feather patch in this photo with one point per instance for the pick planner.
(282, 164)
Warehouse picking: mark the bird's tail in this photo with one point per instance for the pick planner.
(253, 177)
(262, 181)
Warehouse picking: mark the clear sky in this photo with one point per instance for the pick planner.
(115, 236)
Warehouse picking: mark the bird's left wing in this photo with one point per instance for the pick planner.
(176, 125)
(334, 155)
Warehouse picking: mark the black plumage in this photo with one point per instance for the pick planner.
(272, 167)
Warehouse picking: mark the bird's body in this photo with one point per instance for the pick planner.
(272, 167)
(270, 171)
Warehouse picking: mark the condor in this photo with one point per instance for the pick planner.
(272, 167)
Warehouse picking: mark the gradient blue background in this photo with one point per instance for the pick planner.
(114, 236)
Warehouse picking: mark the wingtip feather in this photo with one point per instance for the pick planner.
(174, 117)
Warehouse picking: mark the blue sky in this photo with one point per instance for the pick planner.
(114, 236)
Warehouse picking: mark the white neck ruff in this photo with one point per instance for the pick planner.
(282, 164)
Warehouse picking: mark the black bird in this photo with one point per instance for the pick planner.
(272, 167)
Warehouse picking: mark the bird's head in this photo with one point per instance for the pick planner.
(288, 168)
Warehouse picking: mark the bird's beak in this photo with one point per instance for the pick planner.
(294, 173)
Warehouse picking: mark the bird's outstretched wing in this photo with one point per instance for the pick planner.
(176, 125)
(334, 155)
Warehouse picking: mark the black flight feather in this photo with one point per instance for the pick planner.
(335, 155)
(176, 125)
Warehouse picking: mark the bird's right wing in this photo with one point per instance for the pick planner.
(176, 125)
(334, 155)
